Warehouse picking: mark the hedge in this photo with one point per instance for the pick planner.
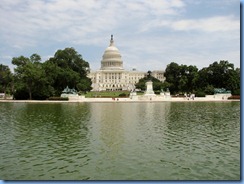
(58, 98)
(234, 97)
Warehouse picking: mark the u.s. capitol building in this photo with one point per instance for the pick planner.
(113, 77)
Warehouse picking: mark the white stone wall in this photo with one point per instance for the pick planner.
(103, 80)
(114, 79)
(218, 96)
(158, 74)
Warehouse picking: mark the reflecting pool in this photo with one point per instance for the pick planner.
(120, 141)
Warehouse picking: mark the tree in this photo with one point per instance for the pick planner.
(157, 84)
(67, 68)
(29, 75)
(172, 74)
(35, 58)
(232, 81)
(219, 75)
(192, 76)
(84, 85)
(202, 80)
(5, 78)
(36, 80)
(181, 78)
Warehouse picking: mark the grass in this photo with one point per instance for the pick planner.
(107, 94)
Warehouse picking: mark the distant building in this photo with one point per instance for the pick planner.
(113, 77)
(158, 74)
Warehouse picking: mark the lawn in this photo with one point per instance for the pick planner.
(107, 94)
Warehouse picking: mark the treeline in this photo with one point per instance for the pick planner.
(182, 79)
(33, 79)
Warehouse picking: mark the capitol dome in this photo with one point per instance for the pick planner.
(111, 58)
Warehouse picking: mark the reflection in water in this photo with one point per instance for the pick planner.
(108, 127)
(125, 134)
(46, 138)
(114, 124)
(122, 141)
(204, 134)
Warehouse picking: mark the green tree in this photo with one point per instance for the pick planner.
(219, 75)
(157, 84)
(209, 89)
(181, 78)
(29, 76)
(84, 85)
(5, 78)
(67, 68)
(203, 79)
(192, 76)
(232, 81)
(173, 75)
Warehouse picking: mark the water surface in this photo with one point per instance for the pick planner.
(120, 141)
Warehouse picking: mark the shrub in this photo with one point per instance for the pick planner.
(234, 97)
(58, 98)
(200, 94)
(236, 92)
(157, 92)
(122, 95)
(21, 94)
(209, 90)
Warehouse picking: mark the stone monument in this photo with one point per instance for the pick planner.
(162, 93)
(167, 94)
(221, 93)
(67, 92)
(72, 94)
(149, 90)
(133, 95)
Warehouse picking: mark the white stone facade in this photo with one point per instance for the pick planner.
(113, 77)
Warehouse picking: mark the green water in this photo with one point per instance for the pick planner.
(120, 141)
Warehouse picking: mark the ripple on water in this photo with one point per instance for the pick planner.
(139, 141)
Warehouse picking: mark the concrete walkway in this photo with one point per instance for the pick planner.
(178, 99)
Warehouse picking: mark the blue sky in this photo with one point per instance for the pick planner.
(149, 34)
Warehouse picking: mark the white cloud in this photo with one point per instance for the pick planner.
(212, 24)
(148, 33)
(31, 18)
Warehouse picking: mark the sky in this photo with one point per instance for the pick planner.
(150, 34)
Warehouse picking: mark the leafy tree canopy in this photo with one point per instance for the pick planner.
(29, 75)
(36, 80)
(5, 78)
(157, 84)
(67, 68)
(183, 78)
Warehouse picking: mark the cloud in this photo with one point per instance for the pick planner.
(212, 24)
(148, 33)
(37, 18)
